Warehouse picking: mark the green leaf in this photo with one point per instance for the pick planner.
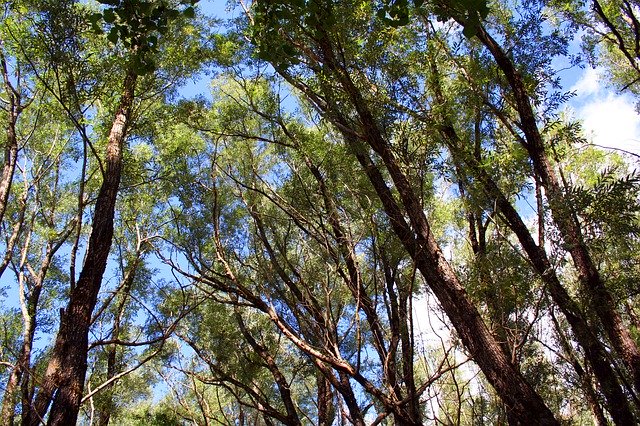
(113, 35)
(189, 12)
(109, 16)
(94, 18)
(152, 40)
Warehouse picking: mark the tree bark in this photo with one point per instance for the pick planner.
(63, 381)
(14, 109)
(599, 297)
(594, 351)
(326, 408)
(281, 382)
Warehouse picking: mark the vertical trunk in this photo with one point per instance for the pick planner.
(22, 365)
(326, 409)
(600, 299)
(21, 371)
(104, 415)
(406, 344)
(63, 381)
(342, 385)
(14, 109)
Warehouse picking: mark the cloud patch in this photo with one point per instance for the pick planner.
(609, 119)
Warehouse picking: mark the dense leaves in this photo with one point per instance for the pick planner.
(371, 213)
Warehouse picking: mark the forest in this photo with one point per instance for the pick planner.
(316, 212)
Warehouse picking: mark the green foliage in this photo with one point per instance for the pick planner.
(138, 25)
(468, 12)
(246, 219)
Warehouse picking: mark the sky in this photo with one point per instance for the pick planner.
(609, 118)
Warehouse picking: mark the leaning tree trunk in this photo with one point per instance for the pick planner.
(63, 381)
(595, 352)
(521, 399)
(601, 301)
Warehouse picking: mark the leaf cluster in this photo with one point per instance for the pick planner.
(138, 25)
(611, 207)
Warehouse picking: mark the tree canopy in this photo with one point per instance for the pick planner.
(372, 212)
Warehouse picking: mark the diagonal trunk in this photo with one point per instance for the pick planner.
(599, 298)
(63, 381)
(520, 398)
(595, 352)
(281, 381)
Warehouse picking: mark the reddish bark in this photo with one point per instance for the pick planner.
(14, 108)
(63, 381)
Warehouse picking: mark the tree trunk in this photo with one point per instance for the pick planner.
(594, 350)
(14, 109)
(420, 243)
(281, 381)
(63, 381)
(599, 297)
(326, 408)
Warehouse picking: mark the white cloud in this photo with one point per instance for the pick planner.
(609, 119)
(588, 84)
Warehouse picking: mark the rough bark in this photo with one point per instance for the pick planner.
(594, 350)
(326, 409)
(599, 298)
(63, 381)
(13, 109)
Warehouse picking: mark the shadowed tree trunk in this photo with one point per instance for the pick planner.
(326, 408)
(599, 298)
(13, 109)
(63, 381)
(520, 398)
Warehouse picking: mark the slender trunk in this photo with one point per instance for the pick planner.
(599, 297)
(22, 365)
(33, 286)
(594, 350)
(407, 346)
(585, 381)
(14, 109)
(281, 382)
(63, 381)
(104, 415)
